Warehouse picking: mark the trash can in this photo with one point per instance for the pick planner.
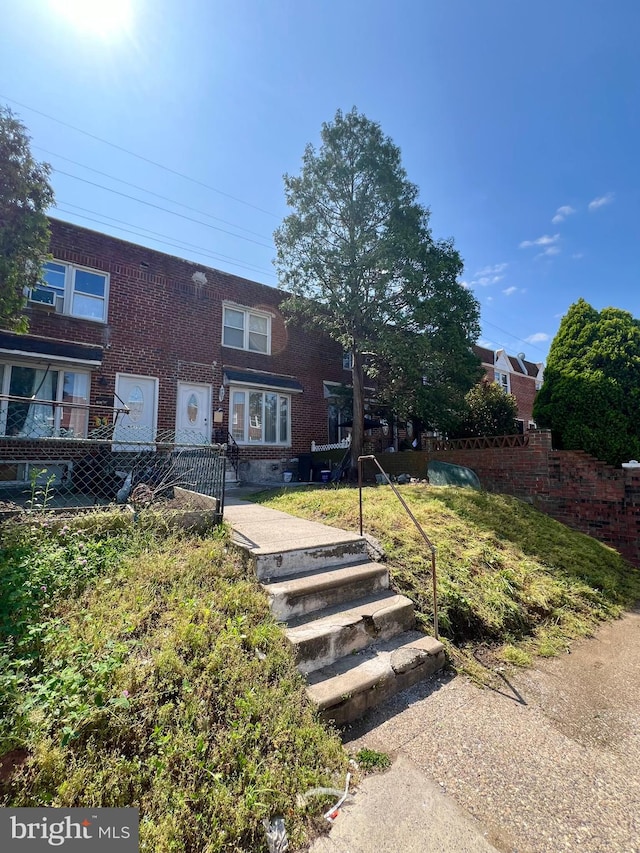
(325, 476)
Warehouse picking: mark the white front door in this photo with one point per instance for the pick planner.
(193, 413)
(138, 394)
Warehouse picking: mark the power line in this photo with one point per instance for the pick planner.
(511, 335)
(165, 209)
(139, 156)
(150, 192)
(179, 244)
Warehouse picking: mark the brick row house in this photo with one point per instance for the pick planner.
(189, 351)
(145, 345)
(516, 376)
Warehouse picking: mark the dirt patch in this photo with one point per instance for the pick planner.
(9, 763)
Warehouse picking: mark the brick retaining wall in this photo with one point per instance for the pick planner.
(570, 486)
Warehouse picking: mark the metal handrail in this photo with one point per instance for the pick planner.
(429, 543)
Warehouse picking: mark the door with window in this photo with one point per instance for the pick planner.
(139, 395)
(193, 413)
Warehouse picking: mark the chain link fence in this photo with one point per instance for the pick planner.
(51, 458)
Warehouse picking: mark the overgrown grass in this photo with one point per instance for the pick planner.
(508, 576)
(153, 675)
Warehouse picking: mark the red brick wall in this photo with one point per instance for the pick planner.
(523, 389)
(161, 324)
(570, 486)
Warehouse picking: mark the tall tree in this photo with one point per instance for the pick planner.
(25, 195)
(359, 259)
(590, 397)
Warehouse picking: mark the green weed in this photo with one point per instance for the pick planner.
(370, 760)
(157, 678)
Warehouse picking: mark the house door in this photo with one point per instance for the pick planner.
(193, 413)
(139, 394)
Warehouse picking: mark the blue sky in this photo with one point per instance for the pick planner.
(519, 122)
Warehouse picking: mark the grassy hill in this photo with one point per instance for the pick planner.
(510, 579)
(141, 670)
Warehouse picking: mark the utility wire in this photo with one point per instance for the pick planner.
(159, 207)
(150, 192)
(138, 156)
(511, 335)
(173, 242)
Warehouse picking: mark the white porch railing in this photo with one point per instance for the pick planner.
(340, 445)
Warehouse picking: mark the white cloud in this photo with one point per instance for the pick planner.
(562, 213)
(577, 255)
(491, 270)
(510, 291)
(465, 284)
(486, 280)
(550, 250)
(483, 342)
(599, 202)
(489, 298)
(538, 338)
(545, 240)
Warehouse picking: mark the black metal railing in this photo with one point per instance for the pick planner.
(432, 548)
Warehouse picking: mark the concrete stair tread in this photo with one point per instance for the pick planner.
(312, 539)
(339, 616)
(316, 580)
(342, 630)
(333, 685)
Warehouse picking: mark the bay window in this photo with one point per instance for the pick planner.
(260, 416)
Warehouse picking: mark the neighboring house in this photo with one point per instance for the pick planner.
(516, 376)
(191, 352)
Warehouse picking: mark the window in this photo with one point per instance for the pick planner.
(244, 329)
(538, 384)
(347, 361)
(503, 380)
(73, 290)
(35, 415)
(260, 417)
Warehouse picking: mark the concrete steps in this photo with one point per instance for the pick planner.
(305, 593)
(346, 689)
(341, 631)
(353, 638)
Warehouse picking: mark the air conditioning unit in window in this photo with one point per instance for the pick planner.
(59, 303)
(42, 295)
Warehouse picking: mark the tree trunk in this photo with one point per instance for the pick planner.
(357, 430)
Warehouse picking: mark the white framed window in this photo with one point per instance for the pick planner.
(77, 291)
(503, 380)
(347, 361)
(259, 416)
(243, 328)
(29, 393)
